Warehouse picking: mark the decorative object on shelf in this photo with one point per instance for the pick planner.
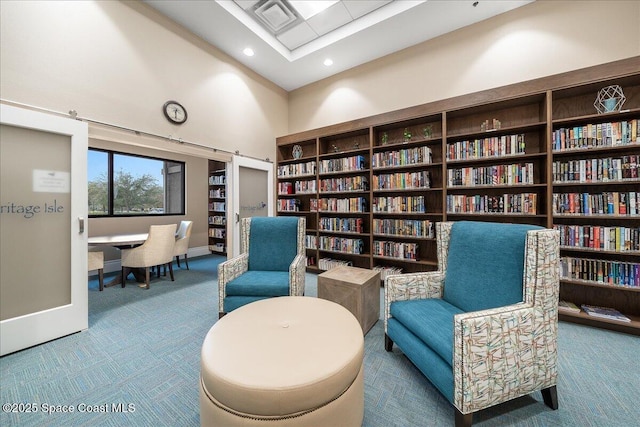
(385, 138)
(296, 151)
(174, 112)
(609, 99)
(495, 125)
(406, 135)
(335, 148)
(427, 130)
(356, 145)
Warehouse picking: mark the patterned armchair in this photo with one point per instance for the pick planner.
(271, 263)
(483, 327)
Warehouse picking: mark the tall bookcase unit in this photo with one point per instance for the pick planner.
(537, 152)
(217, 207)
(596, 200)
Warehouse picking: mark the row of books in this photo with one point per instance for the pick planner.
(217, 206)
(350, 204)
(288, 205)
(491, 175)
(497, 146)
(404, 157)
(608, 134)
(400, 250)
(347, 183)
(596, 170)
(619, 239)
(328, 263)
(297, 187)
(217, 247)
(218, 193)
(615, 273)
(297, 169)
(343, 164)
(341, 244)
(401, 181)
(347, 225)
(217, 220)
(403, 227)
(310, 242)
(607, 203)
(523, 203)
(217, 180)
(386, 271)
(399, 204)
(592, 310)
(218, 233)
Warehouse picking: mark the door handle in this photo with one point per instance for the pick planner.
(237, 217)
(81, 224)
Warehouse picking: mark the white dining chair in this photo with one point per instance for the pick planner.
(182, 242)
(157, 250)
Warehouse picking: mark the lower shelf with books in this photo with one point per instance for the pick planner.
(626, 300)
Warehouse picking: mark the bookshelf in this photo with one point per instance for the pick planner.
(508, 154)
(217, 207)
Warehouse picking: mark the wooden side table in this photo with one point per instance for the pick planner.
(356, 289)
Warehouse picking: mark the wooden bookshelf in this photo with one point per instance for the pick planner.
(489, 156)
(217, 211)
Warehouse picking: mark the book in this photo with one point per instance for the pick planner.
(568, 306)
(605, 313)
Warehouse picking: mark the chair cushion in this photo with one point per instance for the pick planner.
(485, 265)
(260, 283)
(431, 320)
(273, 243)
(234, 302)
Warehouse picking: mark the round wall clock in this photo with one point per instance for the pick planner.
(174, 112)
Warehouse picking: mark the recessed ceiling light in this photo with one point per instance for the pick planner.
(328, 62)
(248, 51)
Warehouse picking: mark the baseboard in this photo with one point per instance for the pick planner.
(114, 264)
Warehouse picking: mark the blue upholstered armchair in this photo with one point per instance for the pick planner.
(483, 328)
(271, 263)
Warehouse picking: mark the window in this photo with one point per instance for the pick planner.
(126, 185)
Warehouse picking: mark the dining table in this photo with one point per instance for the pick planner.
(121, 241)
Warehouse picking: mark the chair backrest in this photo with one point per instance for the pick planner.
(273, 242)
(159, 245)
(485, 264)
(182, 237)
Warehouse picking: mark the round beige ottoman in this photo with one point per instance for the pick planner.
(285, 361)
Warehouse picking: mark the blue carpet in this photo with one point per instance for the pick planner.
(142, 353)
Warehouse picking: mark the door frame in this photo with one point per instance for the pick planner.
(35, 328)
(236, 163)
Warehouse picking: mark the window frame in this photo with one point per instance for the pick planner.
(110, 184)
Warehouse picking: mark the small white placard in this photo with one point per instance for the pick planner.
(51, 181)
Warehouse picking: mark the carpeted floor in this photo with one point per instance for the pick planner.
(138, 365)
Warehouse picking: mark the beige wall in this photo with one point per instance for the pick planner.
(118, 62)
(537, 40)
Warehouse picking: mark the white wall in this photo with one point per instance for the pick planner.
(536, 40)
(118, 62)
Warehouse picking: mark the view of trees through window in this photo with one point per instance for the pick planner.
(122, 184)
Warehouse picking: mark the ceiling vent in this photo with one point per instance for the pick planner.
(276, 15)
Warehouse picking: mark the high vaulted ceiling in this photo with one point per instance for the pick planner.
(291, 51)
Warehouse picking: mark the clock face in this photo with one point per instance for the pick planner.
(174, 112)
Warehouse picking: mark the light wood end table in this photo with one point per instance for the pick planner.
(356, 289)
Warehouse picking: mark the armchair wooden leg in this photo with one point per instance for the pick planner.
(170, 264)
(124, 276)
(221, 314)
(550, 397)
(186, 261)
(463, 420)
(101, 278)
(178, 260)
(146, 277)
(388, 344)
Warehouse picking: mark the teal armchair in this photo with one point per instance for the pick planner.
(483, 327)
(271, 263)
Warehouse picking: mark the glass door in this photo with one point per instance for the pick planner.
(252, 189)
(43, 206)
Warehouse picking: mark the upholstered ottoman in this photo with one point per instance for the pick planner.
(285, 361)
